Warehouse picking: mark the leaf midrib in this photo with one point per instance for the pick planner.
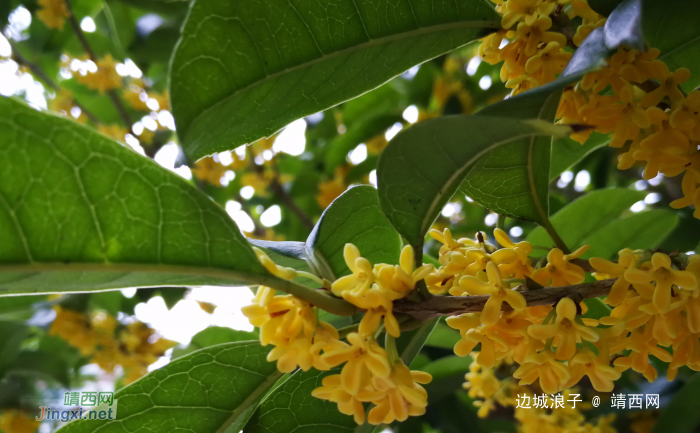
(262, 388)
(236, 277)
(458, 175)
(544, 215)
(369, 44)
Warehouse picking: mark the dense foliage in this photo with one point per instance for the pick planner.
(450, 214)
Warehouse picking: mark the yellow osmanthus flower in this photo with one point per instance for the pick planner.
(641, 342)
(16, 421)
(664, 278)
(114, 131)
(105, 78)
(62, 102)
(364, 359)
(600, 373)
(403, 395)
(209, 170)
(498, 290)
(329, 190)
(559, 271)
(354, 287)
(493, 347)
(376, 144)
(268, 235)
(566, 331)
(608, 269)
(552, 374)
(53, 13)
(260, 182)
(134, 346)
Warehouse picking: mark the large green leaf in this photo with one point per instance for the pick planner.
(584, 216)
(80, 212)
(681, 414)
(355, 217)
(212, 390)
(12, 335)
(639, 231)
(671, 26)
(567, 152)
(423, 166)
(513, 179)
(290, 407)
(244, 70)
(40, 363)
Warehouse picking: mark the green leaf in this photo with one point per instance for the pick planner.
(644, 230)
(423, 166)
(42, 364)
(12, 335)
(79, 212)
(513, 179)
(681, 414)
(290, 407)
(212, 336)
(448, 376)
(242, 70)
(584, 216)
(671, 26)
(443, 337)
(354, 217)
(596, 309)
(212, 390)
(567, 152)
(410, 343)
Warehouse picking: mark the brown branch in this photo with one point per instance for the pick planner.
(40, 74)
(282, 194)
(438, 306)
(123, 113)
(289, 202)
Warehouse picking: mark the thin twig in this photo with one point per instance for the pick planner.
(281, 194)
(123, 113)
(438, 306)
(289, 202)
(40, 74)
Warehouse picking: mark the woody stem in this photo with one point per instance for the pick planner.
(438, 306)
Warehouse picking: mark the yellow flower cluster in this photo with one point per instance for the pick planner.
(331, 189)
(209, 170)
(53, 13)
(532, 55)
(105, 78)
(137, 96)
(16, 421)
(62, 104)
(658, 126)
(656, 304)
(371, 373)
(109, 343)
(114, 131)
